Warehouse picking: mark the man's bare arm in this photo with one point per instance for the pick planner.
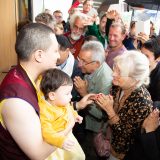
(23, 123)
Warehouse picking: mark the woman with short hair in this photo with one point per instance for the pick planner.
(130, 102)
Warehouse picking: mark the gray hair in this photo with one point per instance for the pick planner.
(98, 53)
(135, 65)
(77, 15)
(46, 19)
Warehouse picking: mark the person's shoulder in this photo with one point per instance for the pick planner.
(123, 49)
(17, 110)
(142, 90)
(142, 97)
(15, 105)
(105, 71)
(107, 67)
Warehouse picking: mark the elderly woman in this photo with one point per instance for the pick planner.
(131, 102)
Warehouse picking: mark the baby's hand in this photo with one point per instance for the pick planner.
(79, 119)
(68, 144)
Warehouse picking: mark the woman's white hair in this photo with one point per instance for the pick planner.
(98, 52)
(135, 65)
(79, 15)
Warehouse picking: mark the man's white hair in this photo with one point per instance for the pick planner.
(98, 52)
(79, 15)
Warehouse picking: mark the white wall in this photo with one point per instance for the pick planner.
(37, 7)
(40, 5)
(62, 5)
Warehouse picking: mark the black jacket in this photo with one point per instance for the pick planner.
(147, 147)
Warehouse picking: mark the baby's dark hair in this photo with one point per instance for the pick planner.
(52, 79)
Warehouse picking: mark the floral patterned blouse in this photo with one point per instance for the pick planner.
(134, 110)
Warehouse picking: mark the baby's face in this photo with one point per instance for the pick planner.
(63, 95)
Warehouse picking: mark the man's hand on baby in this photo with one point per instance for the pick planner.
(68, 144)
(79, 119)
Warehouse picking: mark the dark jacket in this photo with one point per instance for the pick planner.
(154, 86)
(146, 147)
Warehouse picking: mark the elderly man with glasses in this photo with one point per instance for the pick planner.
(98, 79)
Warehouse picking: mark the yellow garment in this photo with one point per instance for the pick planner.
(75, 154)
(54, 119)
(1, 119)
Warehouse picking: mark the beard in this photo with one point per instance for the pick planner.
(75, 37)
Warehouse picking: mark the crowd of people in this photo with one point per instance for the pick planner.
(90, 70)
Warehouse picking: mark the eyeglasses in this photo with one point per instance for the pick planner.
(83, 63)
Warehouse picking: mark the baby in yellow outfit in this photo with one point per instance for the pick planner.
(58, 116)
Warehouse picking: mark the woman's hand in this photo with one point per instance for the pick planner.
(106, 103)
(88, 99)
(151, 123)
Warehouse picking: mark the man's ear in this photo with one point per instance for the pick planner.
(38, 55)
(51, 96)
(123, 36)
(97, 64)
